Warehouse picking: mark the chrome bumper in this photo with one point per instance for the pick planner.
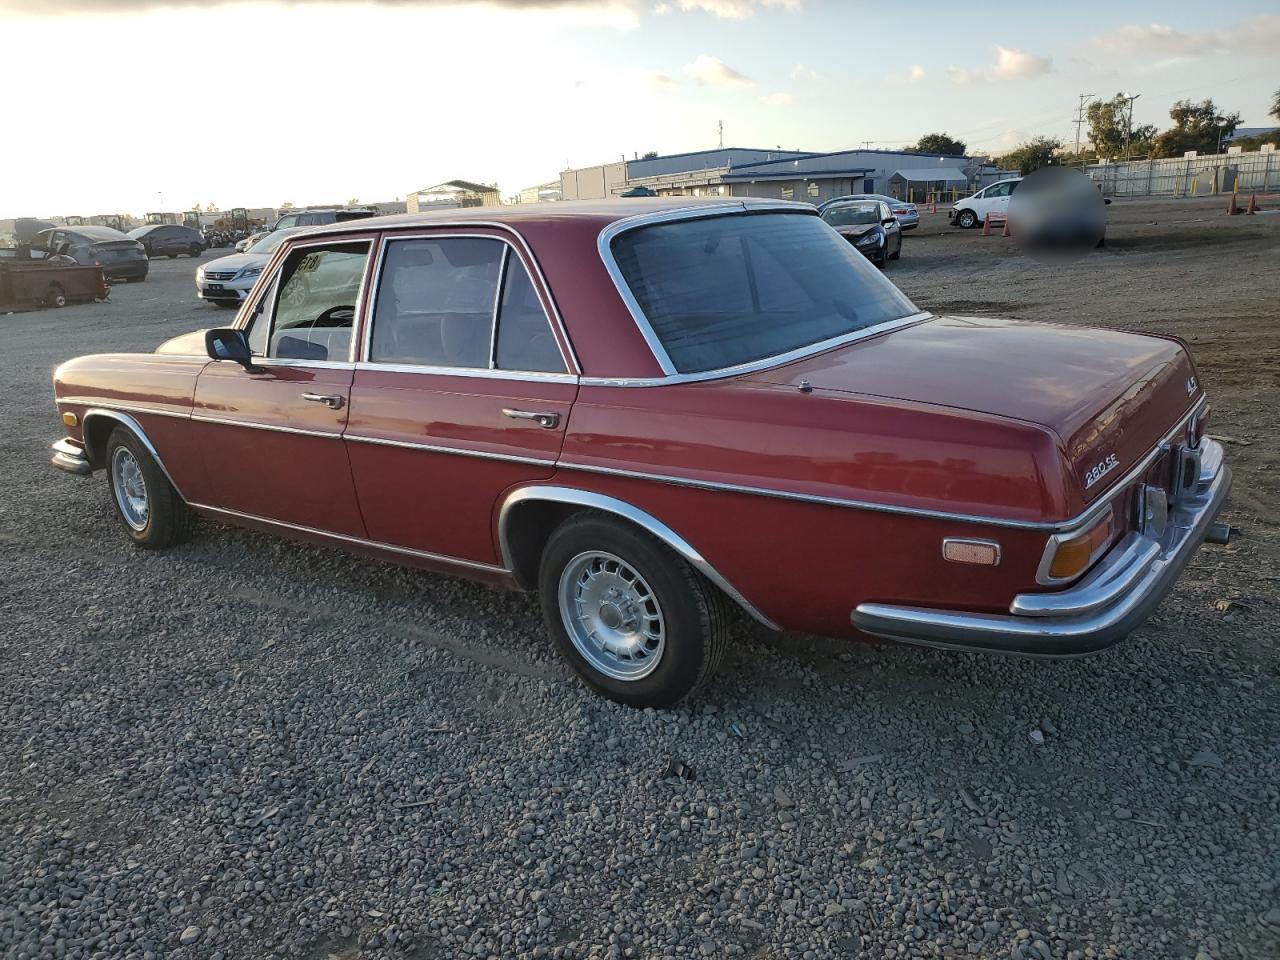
(71, 458)
(1103, 608)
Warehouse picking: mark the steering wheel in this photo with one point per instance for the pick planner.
(344, 314)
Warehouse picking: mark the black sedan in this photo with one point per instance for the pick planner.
(870, 226)
(170, 240)
(119, 257)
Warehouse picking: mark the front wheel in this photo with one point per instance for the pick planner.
(151, 511)
(634, 620)
(967, 219)
(194, 251)
(55, 296)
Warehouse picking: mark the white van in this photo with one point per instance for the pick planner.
(992, 201)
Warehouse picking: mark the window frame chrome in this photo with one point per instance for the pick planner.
(571, 373)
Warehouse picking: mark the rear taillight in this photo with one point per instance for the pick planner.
(1067, 555)
(1199, 426)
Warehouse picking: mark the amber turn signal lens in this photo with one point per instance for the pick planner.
(70, 419)
(980, 552)
(1073, 556)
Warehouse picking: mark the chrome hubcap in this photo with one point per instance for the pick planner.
(130, 488)
(612, 616)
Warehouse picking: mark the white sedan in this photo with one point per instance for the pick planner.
(228, 280)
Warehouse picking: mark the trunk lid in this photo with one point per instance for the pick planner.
(1109, 397)
(117, 249)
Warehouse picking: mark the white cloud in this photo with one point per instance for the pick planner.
(777, 99)
(1257, 35)
(711, 71)
(731, 9)
(1010, 65)
(917, 72)
(658, 80)
(803, 71)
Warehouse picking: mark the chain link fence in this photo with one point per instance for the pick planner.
(1258, 171)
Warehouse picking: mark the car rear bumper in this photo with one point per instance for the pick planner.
(1102, 609)
(135, 270)
(71, 458)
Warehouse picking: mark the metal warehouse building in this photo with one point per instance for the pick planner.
(781, 174)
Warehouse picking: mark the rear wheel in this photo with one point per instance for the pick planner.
(967, 219)
(193, 251)
(151, 511)
(55, 296)
(634, 619)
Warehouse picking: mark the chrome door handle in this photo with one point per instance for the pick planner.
(548, 420)
(332, 401)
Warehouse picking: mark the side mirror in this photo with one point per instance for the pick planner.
(227, 343)
(888, 220)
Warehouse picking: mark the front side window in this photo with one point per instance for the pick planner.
(723, 291)
(438, 305)
(310, 306)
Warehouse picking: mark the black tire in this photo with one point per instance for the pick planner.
(194, 252)
(168, 520)
(55, 296)
(172, 256)
(966, 219)
(694, 611)
(897, 254)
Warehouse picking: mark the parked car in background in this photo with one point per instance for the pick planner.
(228, 280)
(120, 257)
(245, 243)
(648, 413)
(170, 240)
(907, 214)
(319, 218)
(992, 201)
(869, 225)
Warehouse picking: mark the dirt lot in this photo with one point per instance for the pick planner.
(247, 748)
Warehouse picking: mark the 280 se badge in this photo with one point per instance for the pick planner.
(1101, 470)
(649, 418)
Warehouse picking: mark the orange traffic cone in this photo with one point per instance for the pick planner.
(1253, 204)
(1232, 209)
(986, 225)
(1005, 231)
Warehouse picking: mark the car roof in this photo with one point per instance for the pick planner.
(602, 211)
(93, 230)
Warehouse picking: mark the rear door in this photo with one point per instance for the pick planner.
(463, 390)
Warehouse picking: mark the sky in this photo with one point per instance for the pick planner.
(128, 106)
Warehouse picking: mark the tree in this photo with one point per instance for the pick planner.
(652, 154)
(1108, 123)
(1196, 126)
(1034, 154)
(941, 143)
(1275, 105)
(287, 205)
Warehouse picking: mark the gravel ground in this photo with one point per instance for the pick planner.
(247, 748)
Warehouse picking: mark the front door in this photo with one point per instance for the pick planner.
(271, 437)
(464, 391)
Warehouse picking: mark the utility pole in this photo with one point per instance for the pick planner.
(1128, 127)
(720, 127)
(1084, 100)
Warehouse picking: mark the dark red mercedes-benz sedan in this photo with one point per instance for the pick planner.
(650, 411)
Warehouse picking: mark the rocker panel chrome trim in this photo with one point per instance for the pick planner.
(358, 541)
(627, 511)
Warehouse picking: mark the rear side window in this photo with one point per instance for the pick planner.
(460, 302)
(723, 291)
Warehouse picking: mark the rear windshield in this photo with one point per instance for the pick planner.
(723, 291)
